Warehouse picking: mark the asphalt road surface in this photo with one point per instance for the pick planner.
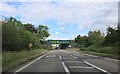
(69, 62)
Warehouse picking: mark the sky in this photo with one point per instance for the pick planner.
(65, 18)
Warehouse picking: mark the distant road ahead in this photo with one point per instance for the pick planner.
(69, 62)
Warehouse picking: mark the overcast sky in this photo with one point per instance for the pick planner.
(65, 18)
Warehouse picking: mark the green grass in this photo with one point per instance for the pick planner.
(101, 54)
(111, 52)
(13, 59)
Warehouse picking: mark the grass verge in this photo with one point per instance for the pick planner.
(13, 59)
(110, 52)
(101, 54)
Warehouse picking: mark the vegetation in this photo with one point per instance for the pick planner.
(12, 59)
(17, 35)
(100, 43)
(15, 39)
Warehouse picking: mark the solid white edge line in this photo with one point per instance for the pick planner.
(111, 59)
(29, 63)
(97, 67)
(64, 66)
(91, 55)
(104, 58)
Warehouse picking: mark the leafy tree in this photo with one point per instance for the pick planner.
(82, 41)
(16, 35)
(42, 32)
(27, 37)
(118, 34)
(11, 38)
(95, 37)
(15, 22)
(112, 36)
(30, 28)
(77, 39)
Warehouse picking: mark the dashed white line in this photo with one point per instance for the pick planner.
(73, 56)
(77, 54)
(60, 57)
(64, 66)
(29, 63)
(97, 67)
(73, 62)
(50, 56)
(68, 58)
(80, 67)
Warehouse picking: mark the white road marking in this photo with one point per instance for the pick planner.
(91, 55)
(111, 59)
(76, 54)
(68, 58)
(96, 56)
(73, 61)
(73, 56)
(64, 66)
(29, 63)
(97, 67)
(50, 56)
(80, 67)
(60, 57)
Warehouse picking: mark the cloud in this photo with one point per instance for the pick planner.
(61, 28)
(83, 14)
(8, 10)
(88, 15)
(65, 32)
(57, 33)
(60, 0)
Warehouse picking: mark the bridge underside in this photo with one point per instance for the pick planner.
(63, 46)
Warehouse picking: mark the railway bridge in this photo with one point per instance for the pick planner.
(62, 44)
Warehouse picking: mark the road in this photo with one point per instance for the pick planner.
(68, 62)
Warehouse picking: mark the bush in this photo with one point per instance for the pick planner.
(101, 49)
(11, 38)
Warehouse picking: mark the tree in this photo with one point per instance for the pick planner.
(118, 34)
(77, 39)
(11, 38)
(112, 36)
(27, 37)
(30, 28)
(42, 32)
(17, 35)
(95, 37)
(82, 41)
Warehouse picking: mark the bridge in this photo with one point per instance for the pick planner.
(60, 43)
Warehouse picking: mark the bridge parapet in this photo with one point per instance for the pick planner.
(60, 41)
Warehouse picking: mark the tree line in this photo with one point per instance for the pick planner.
(98, 42)
(16, 35)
